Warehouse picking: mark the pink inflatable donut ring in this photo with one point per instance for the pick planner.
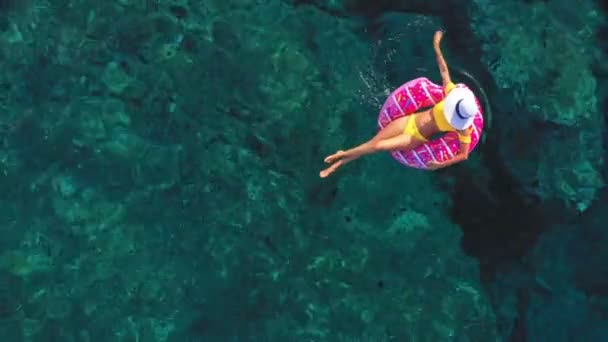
(409, 98)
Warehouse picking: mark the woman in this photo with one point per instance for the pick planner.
(454, 113)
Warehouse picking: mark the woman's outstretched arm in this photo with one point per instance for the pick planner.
(443, 66)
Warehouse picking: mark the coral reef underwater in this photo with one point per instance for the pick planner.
(159, 170)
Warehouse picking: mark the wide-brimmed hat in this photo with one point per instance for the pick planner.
(460, 108)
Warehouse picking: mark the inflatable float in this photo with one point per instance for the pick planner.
(410, 98)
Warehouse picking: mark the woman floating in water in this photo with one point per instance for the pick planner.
(405, 130)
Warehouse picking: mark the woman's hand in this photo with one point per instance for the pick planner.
(433, 165)
(437, 38)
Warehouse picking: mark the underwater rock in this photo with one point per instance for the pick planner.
(543, 61)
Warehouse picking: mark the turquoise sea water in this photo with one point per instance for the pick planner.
(160, 173)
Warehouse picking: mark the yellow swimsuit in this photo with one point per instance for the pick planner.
(442, 124)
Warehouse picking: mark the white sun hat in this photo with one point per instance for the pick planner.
(460, 108)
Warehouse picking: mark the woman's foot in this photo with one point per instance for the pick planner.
(334, 157)
(334, 167)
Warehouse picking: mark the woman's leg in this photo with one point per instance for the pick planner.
(401, 141)
(393, 129)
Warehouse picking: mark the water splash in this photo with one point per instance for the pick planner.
(385, 56)
(376, 85)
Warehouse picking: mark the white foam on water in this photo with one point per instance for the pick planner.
(375, 85)
(384, 56)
